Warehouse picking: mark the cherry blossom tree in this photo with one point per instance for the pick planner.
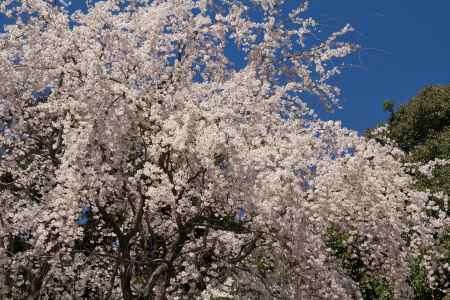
(421, 128)
(137, 162)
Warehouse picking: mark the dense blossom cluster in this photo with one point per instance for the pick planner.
(137, 163)
(430, 274)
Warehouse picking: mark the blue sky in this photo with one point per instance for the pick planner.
(405, 46)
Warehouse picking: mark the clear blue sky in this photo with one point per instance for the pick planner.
(405, 46)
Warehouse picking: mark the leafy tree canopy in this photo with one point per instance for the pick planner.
(423, 121)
